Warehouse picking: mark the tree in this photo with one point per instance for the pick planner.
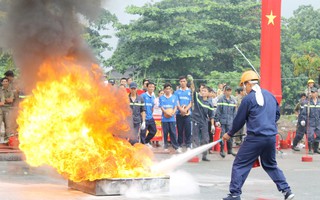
(300, 46)
(177, 37)
(95, 33)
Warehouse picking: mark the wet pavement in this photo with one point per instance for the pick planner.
(204, 180)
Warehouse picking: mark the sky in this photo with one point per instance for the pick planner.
(118, 8)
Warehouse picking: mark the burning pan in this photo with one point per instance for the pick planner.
(118, 186)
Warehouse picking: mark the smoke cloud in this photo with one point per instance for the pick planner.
(36, 30)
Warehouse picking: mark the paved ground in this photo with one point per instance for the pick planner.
(204, 180)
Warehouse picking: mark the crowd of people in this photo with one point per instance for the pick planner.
(196, 112)
(189, 115)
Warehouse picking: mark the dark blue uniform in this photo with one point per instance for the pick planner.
(225, 113)
(311, 115)
(301, 130)
(260, 141)
(137, 108)
(202, 112)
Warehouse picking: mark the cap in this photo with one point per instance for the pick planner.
(314, 89)
(111, 81)
(133, 85)
(310, 81)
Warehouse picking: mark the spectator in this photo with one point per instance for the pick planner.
(144, 84)
(310, 84)
(123, 81)
(183, 114)
(301, 130)
(225, 113)
(12, 84)
(220, 89)
(157, 109)
(111, 82)
(129, 81)
(168, 105)
(149, 98)
(138, 112)
(7, 98)
(311, 116)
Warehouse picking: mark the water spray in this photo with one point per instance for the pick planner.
(169, 165)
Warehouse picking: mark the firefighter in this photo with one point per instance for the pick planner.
(310, 84)
(311, 119)
(138, 112)
(225, 113)
(301, 130)
(260, 111)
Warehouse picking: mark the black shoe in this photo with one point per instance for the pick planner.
(295, 148)
(232, 153)
(230, 197)
(288, 195)
(205, 159)
(222, 154)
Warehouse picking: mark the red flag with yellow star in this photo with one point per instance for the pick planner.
(270, 70)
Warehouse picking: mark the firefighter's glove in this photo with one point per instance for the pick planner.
(218, 124)
(303, 123)
(143, 125)
(213, 129)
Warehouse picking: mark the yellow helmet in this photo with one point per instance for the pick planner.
(248, 76)
(310, 81)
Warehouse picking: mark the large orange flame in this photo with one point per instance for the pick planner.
(74, 123)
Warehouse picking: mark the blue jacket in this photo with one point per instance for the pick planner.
(166, 103)
(260, 120)
(149, 104)
(314, 113)
(202, 111)
(184, 98)
(226, 110)
(137, 108)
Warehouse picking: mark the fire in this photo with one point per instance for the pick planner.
(76, 124)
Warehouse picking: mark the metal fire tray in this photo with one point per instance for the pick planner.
(118, 186)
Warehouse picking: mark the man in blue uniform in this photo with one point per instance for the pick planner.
(138, 112)
(260, 111)
(311, 118)
(168, 105)
(183, 115)
(301, 127)
(148, 98)
(202, 112)
(225, 113)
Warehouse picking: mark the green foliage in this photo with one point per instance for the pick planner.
(6, 63)
(300, 57)
(178, 37)
(230, 78)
